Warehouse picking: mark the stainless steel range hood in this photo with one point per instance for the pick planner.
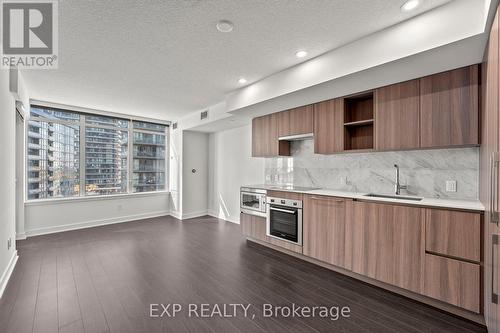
(297, 137)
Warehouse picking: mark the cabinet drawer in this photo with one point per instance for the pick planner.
(253, 226)
(453, 281)
(453, 233)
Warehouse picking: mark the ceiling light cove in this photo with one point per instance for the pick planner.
(225, 26)
(300, 54)
(242, 80)
(410, 5)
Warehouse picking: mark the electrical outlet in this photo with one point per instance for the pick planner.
(268, 178)
(343, 180)
(9, 243)
(451, 186)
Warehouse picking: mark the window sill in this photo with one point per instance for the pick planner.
(45, 202)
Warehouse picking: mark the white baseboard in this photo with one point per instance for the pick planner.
(95, 223)
(215, 214)
(20, 236)
(4, 280)
(194, 214)
(177, 215)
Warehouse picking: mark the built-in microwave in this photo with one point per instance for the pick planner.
(253, 201)
(284, 219)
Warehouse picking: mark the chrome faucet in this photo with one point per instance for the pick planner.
(398, 187)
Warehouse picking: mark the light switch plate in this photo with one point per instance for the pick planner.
(451, 186)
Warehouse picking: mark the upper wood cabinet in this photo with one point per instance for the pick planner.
(295, 121)
(449, 108)
(387, 243)
(435, 111)
(397, 111)
(329, 126)
(265, 141)
(324, 228)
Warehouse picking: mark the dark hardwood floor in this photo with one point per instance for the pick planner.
(104, 279)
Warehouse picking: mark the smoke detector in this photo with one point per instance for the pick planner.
(225, 26)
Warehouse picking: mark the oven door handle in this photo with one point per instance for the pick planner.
(283, 210)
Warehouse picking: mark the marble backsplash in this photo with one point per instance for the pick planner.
(424, 171)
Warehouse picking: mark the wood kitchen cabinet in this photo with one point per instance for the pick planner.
(453, 281)
(397, 116)
(324, 228)
(436, 111)
(387, 243)
(295, 121)
(490, 195)
(449, 108)
(329, 126)
(265, 141)
(453, 233)
(253, 226)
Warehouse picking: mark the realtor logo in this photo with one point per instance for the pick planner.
(29, 34)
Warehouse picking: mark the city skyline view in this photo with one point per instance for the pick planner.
(54, 160)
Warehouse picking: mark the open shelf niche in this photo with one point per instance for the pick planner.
(358, 122)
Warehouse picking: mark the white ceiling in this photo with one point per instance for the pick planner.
(165, 59)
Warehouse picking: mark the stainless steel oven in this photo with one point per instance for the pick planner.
(253, 201)
(284, 219)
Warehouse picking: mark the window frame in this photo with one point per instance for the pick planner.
(82, 158)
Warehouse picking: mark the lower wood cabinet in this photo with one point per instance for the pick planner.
(432, 252)
(253, 226)
(453, 281)
(453, 233)
(325, 229)
(387, 243)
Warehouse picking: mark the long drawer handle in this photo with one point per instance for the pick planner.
(494, 214)
(494, 241)
(326, 199)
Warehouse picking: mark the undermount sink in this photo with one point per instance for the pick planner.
(398, 197)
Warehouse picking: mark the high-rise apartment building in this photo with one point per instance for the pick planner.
(53, 157)
(70, 152)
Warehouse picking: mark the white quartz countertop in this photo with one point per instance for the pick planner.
(473, 205)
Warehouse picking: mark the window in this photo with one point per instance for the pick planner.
(71, 154)
(53, 153)
(106, 150)
(149, 157)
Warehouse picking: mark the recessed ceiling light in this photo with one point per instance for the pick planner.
(225, 26)
(242, 80)
(300, 54)
(410, 5)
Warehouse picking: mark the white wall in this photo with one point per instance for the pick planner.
(175, 172)
(43, 217)
(231, 166)
(7, 178)
(194, 185)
